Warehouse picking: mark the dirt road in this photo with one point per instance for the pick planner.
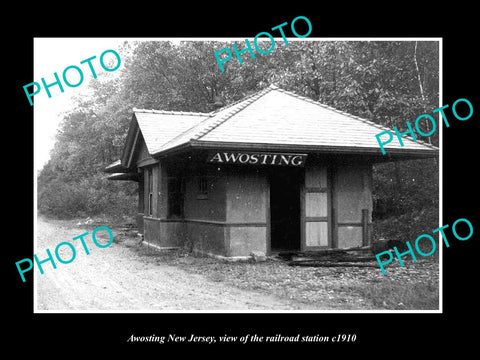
(115, 278)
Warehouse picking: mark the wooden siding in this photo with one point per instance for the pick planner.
(352, 200)
(315, 206)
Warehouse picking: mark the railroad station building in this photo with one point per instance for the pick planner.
(273, 172)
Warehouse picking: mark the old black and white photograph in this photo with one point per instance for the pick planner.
(218, 178)
(226, 175)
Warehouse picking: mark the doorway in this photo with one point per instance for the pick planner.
(285, 184)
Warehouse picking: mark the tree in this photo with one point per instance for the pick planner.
(388, 82)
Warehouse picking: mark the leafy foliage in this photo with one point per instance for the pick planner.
(377, 80)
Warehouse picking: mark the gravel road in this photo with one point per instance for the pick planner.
(117, 279)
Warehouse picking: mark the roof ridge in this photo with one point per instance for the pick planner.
(246, 101)
(171, 112)
(216, 111)
(355, 117)
(328, 107)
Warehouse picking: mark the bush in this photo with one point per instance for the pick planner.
(88, 197)
(408, 226)
(405, 199)
(400, 188)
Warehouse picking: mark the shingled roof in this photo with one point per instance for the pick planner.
(271, 119)
(162, 127)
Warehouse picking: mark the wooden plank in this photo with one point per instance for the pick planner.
(316, 218)
(317, 189)
(357, 224)
(333, 207)
(316, 234)
(303, 239)
(365, 237)
(316, 177)
(315, 263)
(315, 204)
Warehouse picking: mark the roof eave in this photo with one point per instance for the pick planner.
(124, 176)
(115, 167)
(130, 142)
(391, 155)
(397, 153)
(172, 150)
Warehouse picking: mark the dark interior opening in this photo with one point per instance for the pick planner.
(285, 209)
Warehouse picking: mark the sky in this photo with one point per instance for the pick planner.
(54, 55)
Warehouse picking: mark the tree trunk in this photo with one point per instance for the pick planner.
(422, 94)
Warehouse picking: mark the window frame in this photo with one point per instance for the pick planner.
(176, 199)
(150, 179)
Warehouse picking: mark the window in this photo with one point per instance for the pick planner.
(150, 191)
(176, 190)
(203, 187)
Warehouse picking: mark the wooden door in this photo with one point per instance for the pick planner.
(315, 209)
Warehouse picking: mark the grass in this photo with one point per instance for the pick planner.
(413, 287)
(390, 295)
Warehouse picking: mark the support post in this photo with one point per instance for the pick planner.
(365, 230)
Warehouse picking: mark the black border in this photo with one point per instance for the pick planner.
(408, 334)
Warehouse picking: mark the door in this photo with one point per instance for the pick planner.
(285, 184)
(315, 214)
